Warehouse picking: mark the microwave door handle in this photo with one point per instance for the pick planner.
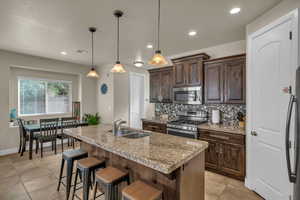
(287, 140)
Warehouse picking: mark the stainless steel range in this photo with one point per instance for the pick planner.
(187, 123)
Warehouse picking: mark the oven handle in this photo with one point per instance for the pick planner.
(181, 131)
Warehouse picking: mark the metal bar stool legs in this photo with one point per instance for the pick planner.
(69, 157)
(110, 178)
(86, 167)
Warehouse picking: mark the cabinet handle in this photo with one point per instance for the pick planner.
(152, 127)
(219, 137)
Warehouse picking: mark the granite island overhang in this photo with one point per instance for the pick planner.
(174, 164)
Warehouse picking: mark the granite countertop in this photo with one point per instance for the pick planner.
(161, 152)
(222, 128)
(156, 120)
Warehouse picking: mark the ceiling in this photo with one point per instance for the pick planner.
(47, 27)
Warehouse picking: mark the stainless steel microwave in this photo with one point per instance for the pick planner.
(187, 95)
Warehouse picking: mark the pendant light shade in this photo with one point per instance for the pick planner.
(118, 67)
(158, 59)
(92, 73)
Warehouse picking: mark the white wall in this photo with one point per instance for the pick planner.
(121, 94)
(222, 50)
(105, 101)
(9, 136)
(115, 104)
(281, 9)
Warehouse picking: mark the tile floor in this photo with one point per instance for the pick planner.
(23, 179)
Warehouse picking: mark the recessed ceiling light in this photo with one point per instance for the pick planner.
(138, 63)
(63, 53)
(192, 33)
(234, 11)
(149, 46)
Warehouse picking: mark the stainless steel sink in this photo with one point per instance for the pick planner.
(136, 135)
(133, 134)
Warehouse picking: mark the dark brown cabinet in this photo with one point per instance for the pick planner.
(225, 154)
(225, 80)
(188, 71)
(232, 159)
(161, 85)
(156, 127)
(214, 83)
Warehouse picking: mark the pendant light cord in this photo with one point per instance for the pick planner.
(118, 40)
(158, 26)
(92, 50)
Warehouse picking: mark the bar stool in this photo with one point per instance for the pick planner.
(85, 167)
(110, 179)
(69, 156)
(139, 190)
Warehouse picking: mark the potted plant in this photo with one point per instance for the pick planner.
(92, 119)
(241, 117)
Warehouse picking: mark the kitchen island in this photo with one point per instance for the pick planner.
(173, 164)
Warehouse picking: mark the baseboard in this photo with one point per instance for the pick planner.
(5, 152)
(248, 184)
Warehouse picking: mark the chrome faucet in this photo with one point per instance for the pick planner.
(117, 125)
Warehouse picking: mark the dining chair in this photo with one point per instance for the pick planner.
(24, 137)
(67, 123)
(48, 133)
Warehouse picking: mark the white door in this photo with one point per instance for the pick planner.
(136, 100)
(271, 69)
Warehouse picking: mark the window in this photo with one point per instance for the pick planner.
(38, 97)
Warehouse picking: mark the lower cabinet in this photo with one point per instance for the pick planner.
(225, 154)
(155, 127)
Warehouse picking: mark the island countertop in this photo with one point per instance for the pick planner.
(161, 152)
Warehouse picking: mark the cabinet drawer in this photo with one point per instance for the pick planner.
(156, 127)
(222, 137)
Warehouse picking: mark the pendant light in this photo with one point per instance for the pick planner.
(92, 73)
(158, 59)
(118, 67)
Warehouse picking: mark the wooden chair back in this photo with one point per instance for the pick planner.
(22, 131)
(48, 127)
(68, 122)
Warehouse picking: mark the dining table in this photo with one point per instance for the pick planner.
(32, 129)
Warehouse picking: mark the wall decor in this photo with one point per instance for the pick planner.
(104, 88)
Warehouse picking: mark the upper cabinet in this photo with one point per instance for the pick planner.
(225, 80)
(188, 71)
(161, 85)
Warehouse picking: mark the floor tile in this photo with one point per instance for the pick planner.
(37, 179)
(39, 183)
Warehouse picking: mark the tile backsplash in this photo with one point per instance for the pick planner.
(228, 111)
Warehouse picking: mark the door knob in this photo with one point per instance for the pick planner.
(253, 133)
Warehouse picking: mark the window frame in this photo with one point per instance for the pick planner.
(19, 78)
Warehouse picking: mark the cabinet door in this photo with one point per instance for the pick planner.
(235, 84)
(232, 160)
(167, 85)
(211, 155)
(194, 72)
(214, 83)
(179, 74)
(155, 82)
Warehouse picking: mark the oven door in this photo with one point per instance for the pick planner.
(187, 95)
(182, 133)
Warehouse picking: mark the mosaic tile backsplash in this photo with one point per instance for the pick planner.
(228, 111)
